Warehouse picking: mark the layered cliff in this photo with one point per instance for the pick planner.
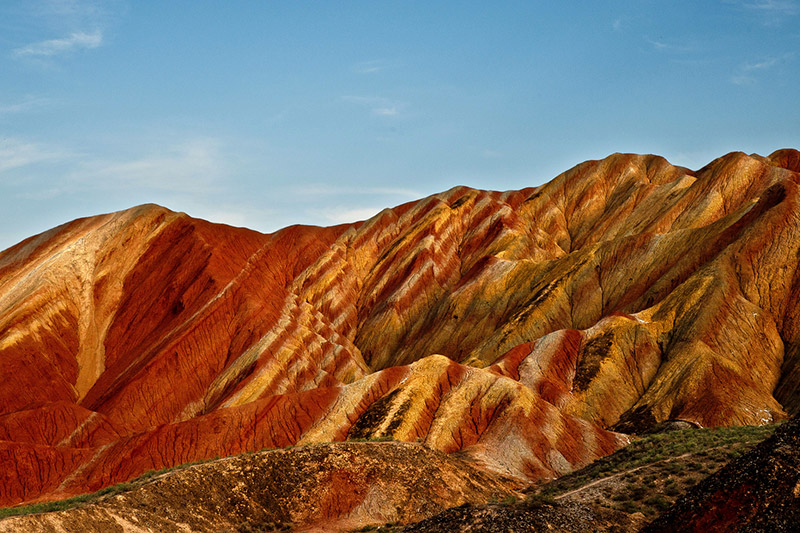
(514, 328)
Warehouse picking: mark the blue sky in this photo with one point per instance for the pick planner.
(264, 114)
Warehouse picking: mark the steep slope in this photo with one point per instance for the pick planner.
(511, 328)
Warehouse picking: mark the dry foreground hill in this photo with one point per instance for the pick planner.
(506, 337)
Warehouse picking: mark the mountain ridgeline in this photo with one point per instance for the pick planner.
(525, 333)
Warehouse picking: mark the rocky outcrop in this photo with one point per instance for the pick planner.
(556, 517)
(512, 328)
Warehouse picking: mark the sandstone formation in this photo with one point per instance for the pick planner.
(512, 328)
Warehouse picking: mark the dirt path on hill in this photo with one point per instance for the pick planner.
(618, 474)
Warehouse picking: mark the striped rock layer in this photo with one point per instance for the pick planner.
(513, 328)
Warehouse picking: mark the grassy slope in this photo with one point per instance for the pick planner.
(648, 475)
(68, 503)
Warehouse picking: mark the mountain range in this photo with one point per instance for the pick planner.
(523, 333)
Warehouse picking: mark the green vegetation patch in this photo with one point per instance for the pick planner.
(717, 446)
(61, 505)
(69, 503)
(649, 474)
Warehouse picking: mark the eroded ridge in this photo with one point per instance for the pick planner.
(515, 328)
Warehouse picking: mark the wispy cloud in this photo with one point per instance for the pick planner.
(43, 193)
(761, 65)
(390, 191)
(769, 12)
(386, 111)
(617, 25)
(192, 166)
(75, 41)
(378, 106)
(17, 153)
(691, 61)
(28, 104)
(370, 67)
(65, 27)
(231, 217)
(330, 190)
(343, 214)
(780, 7)
(742, 79)
(669, 46)
(747, 73)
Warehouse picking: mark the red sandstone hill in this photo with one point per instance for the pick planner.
(525, 330)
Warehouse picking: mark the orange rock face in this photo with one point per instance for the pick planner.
(514, 328)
